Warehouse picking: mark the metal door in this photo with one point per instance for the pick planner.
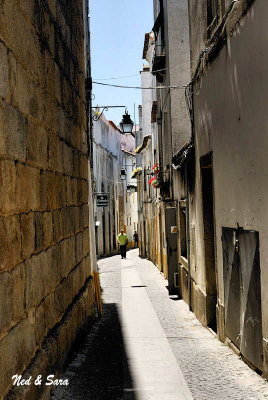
(251, 316)
(242, 290)
(172, 257)
(232, 285)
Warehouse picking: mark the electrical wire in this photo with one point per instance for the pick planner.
(130, 76)
(139, 87)
(117, 77)
(111, 180)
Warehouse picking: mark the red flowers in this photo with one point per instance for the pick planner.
(156, 169)
(152, 180)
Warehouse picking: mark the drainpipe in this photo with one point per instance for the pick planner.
(188, 238)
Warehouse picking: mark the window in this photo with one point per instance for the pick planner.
(183, 236)
(159, 59)
(145, 180)
(213, 14)
(212, 10)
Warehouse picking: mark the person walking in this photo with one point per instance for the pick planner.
(122, 241)
(136, 239)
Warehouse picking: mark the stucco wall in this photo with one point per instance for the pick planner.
(231, 120)
(146, 102)
(198, 30)
(178, 60)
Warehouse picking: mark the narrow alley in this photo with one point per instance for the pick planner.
(149, 346)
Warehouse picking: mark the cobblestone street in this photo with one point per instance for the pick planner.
(149, 346)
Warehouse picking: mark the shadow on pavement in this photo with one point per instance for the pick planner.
(138, 286)
(105, 373)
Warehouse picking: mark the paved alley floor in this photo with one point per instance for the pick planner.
(148, 346)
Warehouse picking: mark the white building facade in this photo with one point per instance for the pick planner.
(107, 160)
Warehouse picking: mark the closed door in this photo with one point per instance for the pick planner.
(251, 315)
(172, 256)
(206, 164)
(232, 285)
(242, 288)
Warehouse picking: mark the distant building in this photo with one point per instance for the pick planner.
(113, 163)
(107, 162)
(130, 196)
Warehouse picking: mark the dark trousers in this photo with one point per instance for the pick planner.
(123, 249)
(136, 243)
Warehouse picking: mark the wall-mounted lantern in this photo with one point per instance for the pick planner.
(126, 124)
(131, 189)
(123, 175)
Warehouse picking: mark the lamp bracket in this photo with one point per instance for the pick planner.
(130, 165)
(98, 115)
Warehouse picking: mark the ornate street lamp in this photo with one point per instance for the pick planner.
(126, 124)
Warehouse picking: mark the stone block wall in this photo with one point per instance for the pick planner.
(44, 211)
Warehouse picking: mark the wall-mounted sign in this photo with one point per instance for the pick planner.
(102, 199)
(174, 229)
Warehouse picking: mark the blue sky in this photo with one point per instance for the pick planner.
(117, 36)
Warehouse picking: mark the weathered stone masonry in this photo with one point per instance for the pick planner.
(46, 293)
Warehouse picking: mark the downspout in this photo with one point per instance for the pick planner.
(188, 238)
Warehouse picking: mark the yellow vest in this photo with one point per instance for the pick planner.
(123, 239)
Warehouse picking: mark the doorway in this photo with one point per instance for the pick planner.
(110, 234)
(103, 234)
(96, 238)
(172, 255)
(114, 230)
(161, 244)
(209, 245)
(242, 292)
(145, 239)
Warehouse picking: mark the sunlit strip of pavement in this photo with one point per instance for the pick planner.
(153, 367)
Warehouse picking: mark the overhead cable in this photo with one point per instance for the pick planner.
(130, 76)
(140, 87)
(111, 180)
